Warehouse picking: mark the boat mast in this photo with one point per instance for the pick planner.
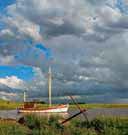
(50, 85)
(24, 96)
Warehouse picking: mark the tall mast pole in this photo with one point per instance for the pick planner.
(24, 96)
(50, 85)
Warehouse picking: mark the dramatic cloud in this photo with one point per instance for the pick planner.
(88, 41)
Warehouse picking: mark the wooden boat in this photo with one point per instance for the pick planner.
(30, 107)
(53, 109)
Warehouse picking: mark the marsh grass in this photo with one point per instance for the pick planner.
(98, 126)
(37, 125)
(12, 128)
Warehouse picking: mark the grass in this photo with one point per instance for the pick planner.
(37, 125)
(100, 126)
(8, 105)
(12, 128)
(89, 106)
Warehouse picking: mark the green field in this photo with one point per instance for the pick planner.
(7, 105)
(88, 106)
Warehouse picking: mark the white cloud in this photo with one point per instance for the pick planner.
(44, 18)
(24, 27)
(8, 94)
(108, 15)
(12, 81)
(7, 60)
(6, 32)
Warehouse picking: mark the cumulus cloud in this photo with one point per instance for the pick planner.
(12, 82)
(88, 39)
(45, 19)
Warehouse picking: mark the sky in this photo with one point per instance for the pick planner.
(5, 3)
(85, 42)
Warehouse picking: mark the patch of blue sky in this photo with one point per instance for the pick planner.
(21, 71)
(28, 51)
(5, 3)
(122, 6)
(2, 25)
(45, 50)
(34, 50)
(28, 41)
